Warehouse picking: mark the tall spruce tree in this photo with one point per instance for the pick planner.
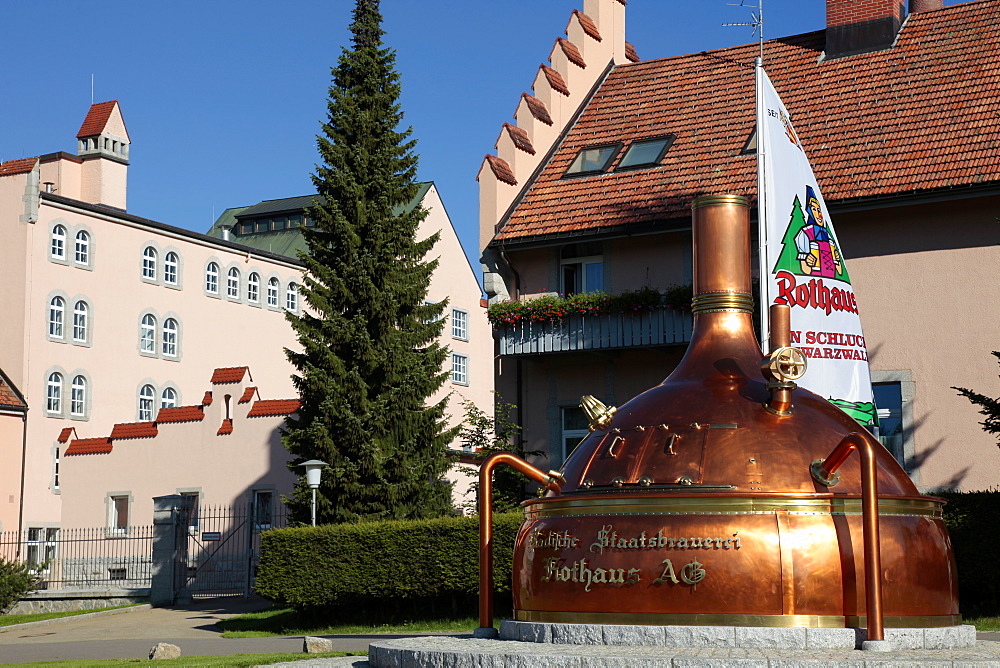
(370, 358)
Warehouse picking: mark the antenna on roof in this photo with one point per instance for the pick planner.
(756, 22)
(91, 90)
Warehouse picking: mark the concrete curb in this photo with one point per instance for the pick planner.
(86, 615)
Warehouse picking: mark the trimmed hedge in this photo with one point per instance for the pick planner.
(388, 569)
(973, 519)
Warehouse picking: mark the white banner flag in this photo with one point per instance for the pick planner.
(804, 264)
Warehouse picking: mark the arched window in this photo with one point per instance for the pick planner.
(149, 263)
(147, 334)
(168, 399)
(53, 393)
(233, 283)
(170, 268)
(82, 248)
(56, 308)
(170, 337)
(292, 297)
(212, 278)
(80, 311)
(146, 403)
(78, 397)
(58, 248)
(272, 292)
(253, 287)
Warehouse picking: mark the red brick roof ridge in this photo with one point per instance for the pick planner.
(97, 119)
(17, 166)
(571, 51)
(537, 108)
(879, 105)
(229, 374)
(587, 24)
(520, 138)
(555, 79)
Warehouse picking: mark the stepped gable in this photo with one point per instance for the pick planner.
(630, 52)
(65, 434)
(520, 138)
(501, 170)
(248, 394)
(587, 24)
(19, 166)
(226, 428)
(537, 108)
(918, 117)
(230, 374)
(571, 51)
(555, 79)
(207, 399)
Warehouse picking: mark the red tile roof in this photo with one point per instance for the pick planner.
(274, 407)
(180, 414)
(89, 446)
(501, 170)
(207, 399)
(520, 138)
(571, 51)
(630, 52)
(555, 79)
(10, 398)
(537, 108)
(248, 394)
(97, 119)
(19, 166)
(65, 434)
(226, 428)
(231, 374)
(588, 24)
(133, 430)
(921, 116)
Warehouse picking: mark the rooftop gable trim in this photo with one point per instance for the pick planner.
(11, 397)
(230, 374)
(555, 79)
(572, 53)
(587, 24)
(537, 108)
(520, 138)
(97, 119)
(501, 169)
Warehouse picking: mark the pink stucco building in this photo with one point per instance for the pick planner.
(111, 320)
(590, 189)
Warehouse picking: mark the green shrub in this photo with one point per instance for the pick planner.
(385, 570)
(17, 579)
(972, 519)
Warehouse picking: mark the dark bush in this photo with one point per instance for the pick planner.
(17, 579)
(972, 519)
(385, 571)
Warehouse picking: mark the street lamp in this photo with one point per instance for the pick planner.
(314, 469)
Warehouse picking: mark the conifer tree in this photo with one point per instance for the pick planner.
(988, 407)
(369, 358)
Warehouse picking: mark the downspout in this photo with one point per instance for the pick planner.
(24, 456)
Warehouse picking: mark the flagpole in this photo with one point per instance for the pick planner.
(764, 270)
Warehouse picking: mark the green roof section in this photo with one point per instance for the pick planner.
(286, 242)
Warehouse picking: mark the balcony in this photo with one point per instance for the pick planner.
(661, 326)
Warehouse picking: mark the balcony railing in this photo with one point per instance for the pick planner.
(659, 327)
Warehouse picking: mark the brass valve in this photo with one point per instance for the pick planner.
(597, 413)
(785, 364)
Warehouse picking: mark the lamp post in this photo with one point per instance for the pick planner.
(314, 470)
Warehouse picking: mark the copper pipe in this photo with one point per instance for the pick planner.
(780, 336)
(824, 472)
(551, 481)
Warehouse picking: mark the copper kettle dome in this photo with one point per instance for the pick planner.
(700, 500)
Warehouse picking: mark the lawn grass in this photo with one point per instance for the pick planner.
(7, 620)
(231, 661)
(983, 623)
(280, 621)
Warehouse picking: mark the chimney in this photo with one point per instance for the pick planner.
(925, 5)
(862, 26)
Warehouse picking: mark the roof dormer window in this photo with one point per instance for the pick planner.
(645, 153)
(593, 160)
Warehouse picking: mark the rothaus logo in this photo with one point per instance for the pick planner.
(813, 294)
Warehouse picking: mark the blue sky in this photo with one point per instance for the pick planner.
(223, 99)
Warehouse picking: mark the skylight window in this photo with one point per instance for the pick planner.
(593, 160)
(645, 153)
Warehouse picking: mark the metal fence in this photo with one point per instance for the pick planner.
(74, 559)
(223, 548)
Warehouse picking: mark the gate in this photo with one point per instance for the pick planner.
(223, 545)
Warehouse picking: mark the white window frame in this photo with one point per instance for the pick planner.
(212, 278)
(149, 261)
(147, 334)
(115, 527)
(78, 396)
(233, 283)
(171, 329)
(273, 289)
(292, 297)
(146, 403)
(565, 433)
(57, 242)
(460, 324)
(80, 321)
(81, 248)
(253, 287)
(53, 393)
(459, 369)
(581, 284)
(168, 398)
(57, 317)
(171, 266)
